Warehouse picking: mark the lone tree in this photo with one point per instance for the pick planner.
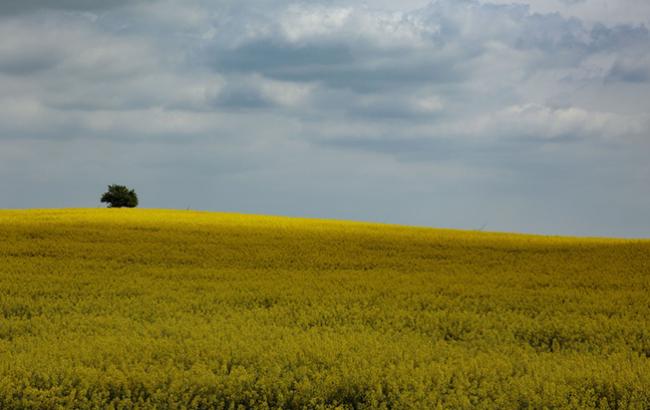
(119, 196)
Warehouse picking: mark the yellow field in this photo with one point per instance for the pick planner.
(174, 309)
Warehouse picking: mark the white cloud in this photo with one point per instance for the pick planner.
(327, 100)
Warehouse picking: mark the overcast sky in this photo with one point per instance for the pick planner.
(532, 116)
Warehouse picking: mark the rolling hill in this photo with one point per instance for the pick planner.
(178, 309)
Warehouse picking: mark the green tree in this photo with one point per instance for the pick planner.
(119, 196)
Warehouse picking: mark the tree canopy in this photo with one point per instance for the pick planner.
(119, 196)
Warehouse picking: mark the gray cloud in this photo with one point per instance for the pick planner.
(27, 6)
(610, 12)
(242, 97)
(454, 113)
(632, 70)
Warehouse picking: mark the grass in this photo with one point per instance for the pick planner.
(174, 309)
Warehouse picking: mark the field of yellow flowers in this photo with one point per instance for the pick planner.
(177, 309)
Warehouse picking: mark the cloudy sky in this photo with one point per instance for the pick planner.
(506, 115)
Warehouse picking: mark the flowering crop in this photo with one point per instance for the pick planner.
(171, 309)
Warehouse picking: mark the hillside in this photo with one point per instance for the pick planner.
(145, 308)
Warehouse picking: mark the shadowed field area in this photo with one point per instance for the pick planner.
(170, 309)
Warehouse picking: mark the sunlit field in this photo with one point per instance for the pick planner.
(174, 309)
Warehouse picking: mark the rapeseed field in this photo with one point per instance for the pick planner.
(173, 309)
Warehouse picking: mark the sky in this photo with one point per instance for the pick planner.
(503, 115)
